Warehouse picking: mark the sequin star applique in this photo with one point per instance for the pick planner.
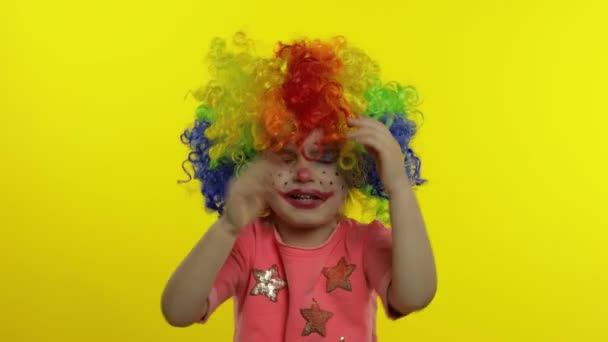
(315, 319)
(338, 276)
(268, 283)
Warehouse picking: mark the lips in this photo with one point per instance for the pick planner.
(306, 198)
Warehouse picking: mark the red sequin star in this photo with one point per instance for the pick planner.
(315, 319)
(338, 276)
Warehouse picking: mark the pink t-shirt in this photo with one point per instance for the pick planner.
(286, 293)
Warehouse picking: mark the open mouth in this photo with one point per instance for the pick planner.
(306, 199)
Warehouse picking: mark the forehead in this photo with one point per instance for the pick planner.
(292, 148)
(311, 141)
(314, 136)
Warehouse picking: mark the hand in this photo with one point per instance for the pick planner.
(381, 144)
(247, 195)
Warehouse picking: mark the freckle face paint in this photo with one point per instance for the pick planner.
(306, 196)
(309, 187)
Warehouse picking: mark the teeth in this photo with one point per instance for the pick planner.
(309, 197)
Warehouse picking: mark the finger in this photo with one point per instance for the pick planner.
(369, 140)
(258, 182)
(366, 122)
(379, 142)
(382, 134)
(249, 191)
(270, 157)
(246, 183)
(254, 179)
(374, 122)
(378, 139)
(369, 128)
(265, 182)
(254, 168)
(355, 122)
(363, 130)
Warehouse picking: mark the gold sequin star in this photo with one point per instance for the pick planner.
(315, 319)
(268, 283)
(338, 276)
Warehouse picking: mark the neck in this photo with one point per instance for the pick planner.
(306, 237)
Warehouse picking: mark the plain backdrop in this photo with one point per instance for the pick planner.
(93, 99)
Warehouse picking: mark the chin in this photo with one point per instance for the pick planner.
(306, 221)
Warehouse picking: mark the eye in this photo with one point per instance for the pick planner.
(287, 157)
(329, 156)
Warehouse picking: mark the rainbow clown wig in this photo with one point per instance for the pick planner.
(252, 104)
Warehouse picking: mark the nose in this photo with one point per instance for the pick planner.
(303, 175)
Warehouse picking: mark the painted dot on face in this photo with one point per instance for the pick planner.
(279, 174)
(321, 182)
(285, 183)
(323, 172)
(331, 183)
(336, 173)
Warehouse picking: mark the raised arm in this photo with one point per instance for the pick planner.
(414, 279)
(184, 299)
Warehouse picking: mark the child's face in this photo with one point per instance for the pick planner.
(307, 193)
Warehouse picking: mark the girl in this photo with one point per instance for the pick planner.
(282, 146)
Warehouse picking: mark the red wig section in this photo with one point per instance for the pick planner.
(310, 96)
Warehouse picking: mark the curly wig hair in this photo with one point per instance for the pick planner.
(252, 104)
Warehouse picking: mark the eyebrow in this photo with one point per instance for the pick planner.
(332, 146)
(287, 149)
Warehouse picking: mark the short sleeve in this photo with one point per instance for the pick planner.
(377, 263)
(233, 273)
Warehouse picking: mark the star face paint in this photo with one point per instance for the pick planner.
(309, 189)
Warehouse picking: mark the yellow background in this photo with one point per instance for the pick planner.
(92, 102)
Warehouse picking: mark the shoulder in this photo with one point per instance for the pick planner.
(375, 239)
(363, 236)
(363, 233)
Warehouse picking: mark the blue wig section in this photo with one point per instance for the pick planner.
(402, 130)
(214, 180)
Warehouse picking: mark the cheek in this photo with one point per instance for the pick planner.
(331, 180)
(281, 178)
